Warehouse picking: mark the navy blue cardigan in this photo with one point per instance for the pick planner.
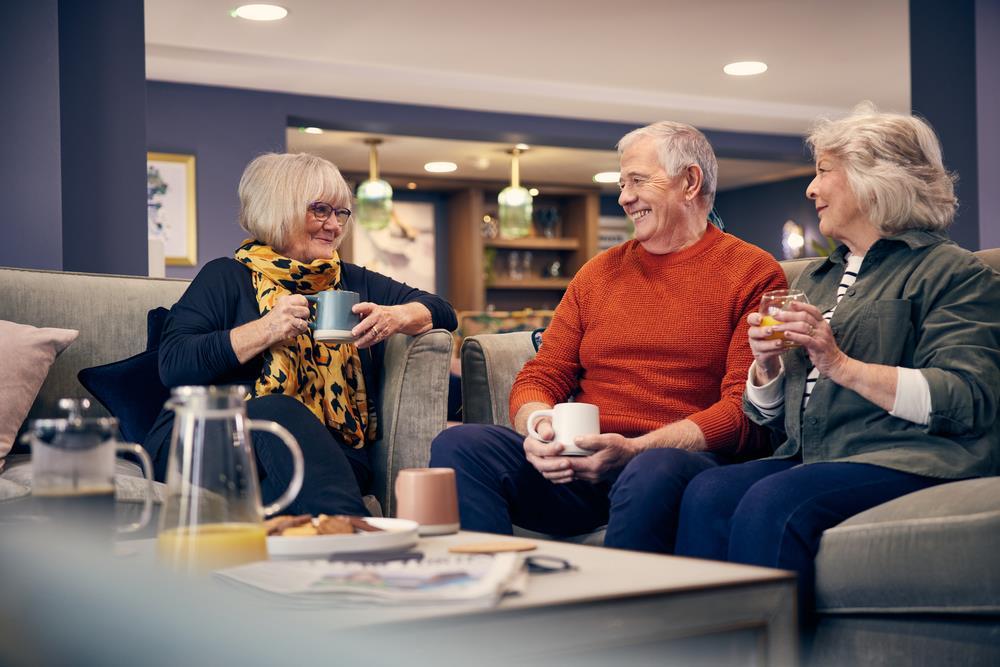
(195, 348)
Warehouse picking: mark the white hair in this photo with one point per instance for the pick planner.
(277, 188)
(679, 146)
(893, 164)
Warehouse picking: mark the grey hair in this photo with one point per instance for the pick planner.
(277, 188)
(680, 145)
(893, 164)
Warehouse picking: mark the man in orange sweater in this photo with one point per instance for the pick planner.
(654, 333)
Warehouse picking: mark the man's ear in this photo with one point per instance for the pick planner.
(693, 178)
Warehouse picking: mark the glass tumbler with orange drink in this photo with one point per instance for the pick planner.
(212, 516)
(772, 303)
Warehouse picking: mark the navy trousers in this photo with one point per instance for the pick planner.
(497, 487)
(772, 512)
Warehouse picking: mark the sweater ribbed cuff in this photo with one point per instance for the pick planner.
(520, 397)
(722, 425)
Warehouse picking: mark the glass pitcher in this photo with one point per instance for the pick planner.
(73, 470)
(212, 516)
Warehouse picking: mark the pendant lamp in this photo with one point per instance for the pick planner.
(374, 196)
(515, 204)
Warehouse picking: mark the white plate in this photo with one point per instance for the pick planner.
(397, 534)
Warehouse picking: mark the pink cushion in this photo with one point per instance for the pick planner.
(26, 353)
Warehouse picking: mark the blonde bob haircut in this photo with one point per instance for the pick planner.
(277, 188)
(679, 146)
(893, 164)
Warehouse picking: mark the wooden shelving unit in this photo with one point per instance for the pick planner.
(479, 268)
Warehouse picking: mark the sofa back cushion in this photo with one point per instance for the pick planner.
(109, 311)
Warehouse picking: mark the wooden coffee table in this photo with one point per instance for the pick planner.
(615, 607)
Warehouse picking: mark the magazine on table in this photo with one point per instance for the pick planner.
(479, 579)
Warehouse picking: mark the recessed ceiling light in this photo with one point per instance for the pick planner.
(533, 192)
(745, 68)
(411, 186)
(312, 130)
(607, 177)
(440, 167)
(522, 147)
(259, 12)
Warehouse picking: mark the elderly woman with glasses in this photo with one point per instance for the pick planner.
(245, 320)
(886, 383)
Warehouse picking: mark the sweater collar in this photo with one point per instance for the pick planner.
(648, 260)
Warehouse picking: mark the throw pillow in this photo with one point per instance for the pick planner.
(131, 391)
(155, 320)
(26, 354)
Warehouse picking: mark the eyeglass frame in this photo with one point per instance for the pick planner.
(541, 564)
(343, 214)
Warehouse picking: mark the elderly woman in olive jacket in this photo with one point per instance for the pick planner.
(893, 385)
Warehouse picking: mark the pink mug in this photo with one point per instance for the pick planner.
(429, 497)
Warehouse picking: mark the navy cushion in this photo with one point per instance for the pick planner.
(131, 391)
(154, 326)
(536, 338)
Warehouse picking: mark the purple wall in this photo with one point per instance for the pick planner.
(757, 213)
(988, 119)
(73, 136)
(31, 217)
(943, 90)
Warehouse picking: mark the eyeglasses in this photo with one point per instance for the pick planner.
(547, 564)
(322, 212)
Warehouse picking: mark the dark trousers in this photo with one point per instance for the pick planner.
(497, 487)
(772, 512)
(334, 473)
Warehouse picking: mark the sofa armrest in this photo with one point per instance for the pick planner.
(931, 551)
(414, 407)
(490, 362)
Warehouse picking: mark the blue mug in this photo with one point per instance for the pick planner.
(333, 318)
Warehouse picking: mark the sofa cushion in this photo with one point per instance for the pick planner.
(130, 485)
(155, 319)
(930, 551)
(131, 390)
(26, 354)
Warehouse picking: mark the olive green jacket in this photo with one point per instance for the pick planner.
(920, 302)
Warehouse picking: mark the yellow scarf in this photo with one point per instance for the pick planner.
(326, 378)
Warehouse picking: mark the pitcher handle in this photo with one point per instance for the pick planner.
(147, 470)
(293, 445)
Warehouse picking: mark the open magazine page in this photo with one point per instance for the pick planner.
(453, 578)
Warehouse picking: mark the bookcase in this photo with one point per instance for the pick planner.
(487, 270)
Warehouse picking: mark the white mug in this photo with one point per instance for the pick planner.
(569, 420)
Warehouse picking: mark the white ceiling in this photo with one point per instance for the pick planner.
(635, 62)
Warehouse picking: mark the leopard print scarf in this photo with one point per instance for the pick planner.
(326, 378)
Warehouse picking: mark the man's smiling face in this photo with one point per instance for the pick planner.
(652, 200)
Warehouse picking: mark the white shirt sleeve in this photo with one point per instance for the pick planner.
(769, 399)
(913, 396)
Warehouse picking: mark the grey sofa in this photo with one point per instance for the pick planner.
(915, 581)
(110, 313)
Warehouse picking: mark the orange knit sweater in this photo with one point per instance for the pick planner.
(653, 339)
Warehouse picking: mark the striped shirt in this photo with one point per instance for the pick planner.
(850, 275)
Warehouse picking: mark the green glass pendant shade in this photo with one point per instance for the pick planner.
(373, 200)
(514, 212)
(514, 204)
(374, 204)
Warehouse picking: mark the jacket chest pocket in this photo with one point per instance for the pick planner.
(894, 330)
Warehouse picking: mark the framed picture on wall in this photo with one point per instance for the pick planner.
(404, 250)
(170, 206)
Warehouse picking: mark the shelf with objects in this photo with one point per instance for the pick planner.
(492, 271)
